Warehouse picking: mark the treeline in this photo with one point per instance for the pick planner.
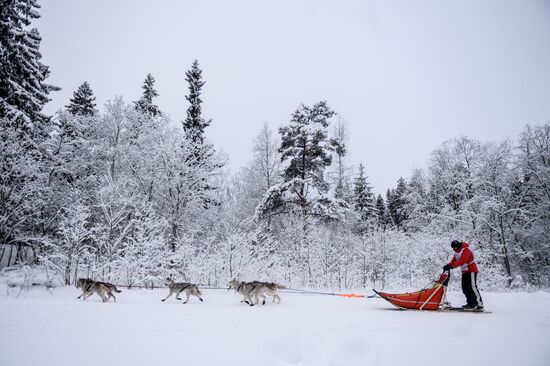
(124, 194)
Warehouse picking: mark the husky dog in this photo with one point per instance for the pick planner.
(111, 288)
(252, 291)
(179, 287)
(269, 289)
(83, 284)
(247, 289)
(88, 288)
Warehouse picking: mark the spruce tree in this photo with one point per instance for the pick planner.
(307, 151)
(306, 146)
(145, 103)
(363, 198)
(24, 157)
(194, 125)
(396, 203)
(83, 101)
(23, 91)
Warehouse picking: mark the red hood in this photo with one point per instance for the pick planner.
(464, 245)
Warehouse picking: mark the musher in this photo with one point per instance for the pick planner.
(464, 258)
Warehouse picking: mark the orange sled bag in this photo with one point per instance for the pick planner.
(428, 299)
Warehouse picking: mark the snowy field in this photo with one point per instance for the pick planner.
(42, 329)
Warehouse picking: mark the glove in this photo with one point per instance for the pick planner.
(446, 268)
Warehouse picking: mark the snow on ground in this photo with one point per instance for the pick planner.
(37, 328)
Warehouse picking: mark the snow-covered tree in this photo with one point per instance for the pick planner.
(76, 236)
(83, 101)
(341, 173)
(143, 257)
(363, 198)
(24, 129)
(260, 174)
(381, 212)
(534, 190)
(195, 124)
(305, 145)
(23, 91)
(187, 183)
(396, 201)
(306, 151)
(266, 161)
(145, 104)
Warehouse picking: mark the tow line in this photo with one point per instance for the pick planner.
(299, 291)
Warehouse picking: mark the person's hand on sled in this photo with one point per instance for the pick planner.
(447, 268)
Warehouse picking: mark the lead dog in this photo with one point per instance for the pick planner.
(178, 287)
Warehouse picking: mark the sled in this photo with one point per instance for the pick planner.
(431, 298)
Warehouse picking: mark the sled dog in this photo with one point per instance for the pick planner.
(111, 288)
(179, 287)
(89, 287)
(246, 289)
(252, 291)
(269, 289)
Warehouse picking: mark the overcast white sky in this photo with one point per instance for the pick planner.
(406, 75)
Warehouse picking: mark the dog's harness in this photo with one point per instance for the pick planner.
(90, 284)
(245, 283)
(184, 287)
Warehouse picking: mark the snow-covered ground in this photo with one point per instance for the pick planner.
(37, 328)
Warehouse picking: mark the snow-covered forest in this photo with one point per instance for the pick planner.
(122, 193)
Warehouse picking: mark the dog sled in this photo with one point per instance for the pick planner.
(431, 298)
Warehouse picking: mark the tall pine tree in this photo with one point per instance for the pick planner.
(363, 198)
(396, 203)
(307, 151)
(23, 91)
(24, 158)
(194, 125)
(145, 103)
(83, 101)
(306, 146)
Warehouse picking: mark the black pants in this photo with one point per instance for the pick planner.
(469, 288)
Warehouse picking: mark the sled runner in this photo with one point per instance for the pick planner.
(452, 309)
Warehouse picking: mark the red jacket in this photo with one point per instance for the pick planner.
(464, 258)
